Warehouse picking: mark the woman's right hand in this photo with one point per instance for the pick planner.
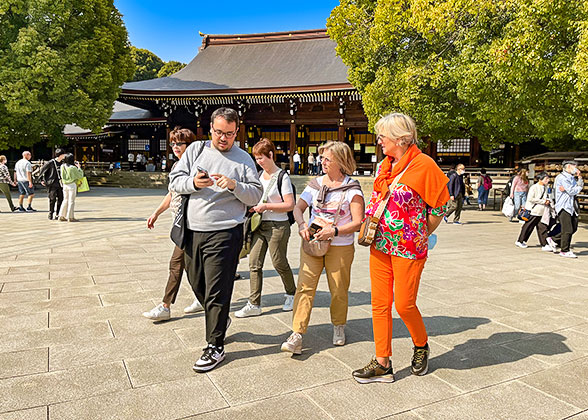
(151, 221)
(304, 232)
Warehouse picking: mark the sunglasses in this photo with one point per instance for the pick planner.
(176, 144)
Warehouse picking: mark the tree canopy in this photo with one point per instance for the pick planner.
(61, 62)
(170, 68)
(501, 71)
(147, 64)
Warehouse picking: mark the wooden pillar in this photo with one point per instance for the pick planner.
(242, 136)
(474, 152)
(292, 145)
(168, 149)
(341, 133)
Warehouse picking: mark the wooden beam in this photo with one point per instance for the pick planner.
(292, 145)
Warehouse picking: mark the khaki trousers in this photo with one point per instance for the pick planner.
(337, 264)
(176, 269)
(273, 236)
(5, 189)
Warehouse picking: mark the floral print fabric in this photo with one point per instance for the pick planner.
(403, 226)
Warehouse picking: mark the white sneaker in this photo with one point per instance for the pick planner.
(194, 307)
(248, 310)
(568, 254)
(547, 248)
(552, 244)
(522, 222)
(521, 244)
(293, 344)
(159, 313)
(339, 335)
(288, 303)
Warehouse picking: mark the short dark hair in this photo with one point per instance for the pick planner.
(541, 175)
(69, 159)
(59, 152)
(228, 114)
(483, 171)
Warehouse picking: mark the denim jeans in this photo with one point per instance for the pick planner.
(520, 197)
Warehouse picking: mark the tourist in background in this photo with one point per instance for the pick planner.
(222, 181)
(70, 174)
(179, 139)
(567, 185)
(337, 208)
(484, 183)
(6, 182)
(456, 188)
(131, 160)
(319, 164)
(23, 176)
(537, 200)
(518, 191)
(310, 164)
(399, 251)
(51, 178)
(274, 231)
(296, 159)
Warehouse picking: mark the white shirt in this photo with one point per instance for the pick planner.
(131, 157)
(21, 168)
(328, 211)
(296, 158)
(274, 197)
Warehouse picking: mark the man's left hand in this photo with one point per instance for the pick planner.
(561, 188)
(223, 181)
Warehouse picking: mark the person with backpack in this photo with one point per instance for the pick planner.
(484, 186)
(273, 232)
(518, 191)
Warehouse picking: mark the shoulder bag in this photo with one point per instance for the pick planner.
(369, 225)
(318, 248)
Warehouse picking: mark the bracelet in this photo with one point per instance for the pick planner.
(336, 231)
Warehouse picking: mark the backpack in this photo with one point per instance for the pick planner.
(487, 182)
(279, 186)
(280, 179)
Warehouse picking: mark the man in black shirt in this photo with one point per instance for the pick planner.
(51, 178)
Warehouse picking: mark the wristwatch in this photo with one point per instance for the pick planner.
(336, 231)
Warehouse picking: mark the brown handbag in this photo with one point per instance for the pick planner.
(369, 225)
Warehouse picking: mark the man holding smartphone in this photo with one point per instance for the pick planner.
(222, 181)
(567, 186)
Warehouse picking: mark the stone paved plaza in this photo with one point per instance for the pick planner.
(508, 329)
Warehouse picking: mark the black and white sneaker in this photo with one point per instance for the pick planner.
(211, 357)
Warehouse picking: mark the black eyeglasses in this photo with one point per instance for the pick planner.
(176, 144)
(228, 135)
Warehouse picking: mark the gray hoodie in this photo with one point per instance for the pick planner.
(212, 208)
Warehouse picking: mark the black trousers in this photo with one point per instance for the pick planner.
(455, 206)
(211, 263)
(569, 226)
(55, 193)
(527, 229)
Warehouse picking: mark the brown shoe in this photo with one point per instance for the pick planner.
(62, 219)
(73, 220)
(374, 372)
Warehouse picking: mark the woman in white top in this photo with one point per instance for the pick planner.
(338, 209)
(537, 199)
(273, 232)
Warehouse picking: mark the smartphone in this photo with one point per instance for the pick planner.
(203, 171)
(314, 228)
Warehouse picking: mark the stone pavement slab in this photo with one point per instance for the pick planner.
(508, 329)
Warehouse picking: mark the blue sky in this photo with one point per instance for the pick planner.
(170, 28)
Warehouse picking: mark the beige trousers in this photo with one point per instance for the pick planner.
(337, 264)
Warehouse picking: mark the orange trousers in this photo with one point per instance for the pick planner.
(395, 279)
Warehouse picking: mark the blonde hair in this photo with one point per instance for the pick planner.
(342, 154)
(3, 158)
(397, 126)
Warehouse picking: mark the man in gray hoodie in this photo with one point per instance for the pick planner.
(222, 181)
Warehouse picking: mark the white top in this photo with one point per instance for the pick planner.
(274, 197)
(21, 168)
(131, 157)
(296, 158)
(310, 158)
(328, 212)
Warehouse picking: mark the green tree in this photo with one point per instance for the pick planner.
(511, 70)
(61, 62)
(170, 68)
(147, 64)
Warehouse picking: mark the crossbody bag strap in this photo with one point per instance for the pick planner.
(336, 218)
(384, 203)
(269, 187)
